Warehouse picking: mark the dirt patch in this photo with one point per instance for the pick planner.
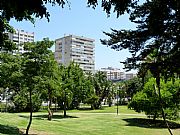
(33, 132)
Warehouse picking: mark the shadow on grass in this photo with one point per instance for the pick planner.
(6, 129)
(23, 116)
(45, 116)
(90, 109)
(42, 117)
(150, 123)
(85, 109)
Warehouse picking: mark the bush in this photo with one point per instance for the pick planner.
(20, 103)
(172, 114)
(147, 100)
(2, 107)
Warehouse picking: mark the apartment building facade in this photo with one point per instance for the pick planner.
(20, 37)
(79, 49)
(113, 73)
(130, 76)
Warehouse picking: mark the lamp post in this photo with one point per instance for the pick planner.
(117, 102)
(118, 96)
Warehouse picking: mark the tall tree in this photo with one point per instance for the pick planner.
(10, 70)
(102, 88)
(10, 74)
(34, 59)
(155, 30)
(51, 81)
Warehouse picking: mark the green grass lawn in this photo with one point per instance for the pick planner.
(96, 122)
(113, 109)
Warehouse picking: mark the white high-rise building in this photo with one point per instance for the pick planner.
(20, 37)
(78, 49)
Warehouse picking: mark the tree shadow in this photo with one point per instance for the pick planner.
(84, 109)
(10, 130)
(42, 117)
(23, 116)
(150, 123)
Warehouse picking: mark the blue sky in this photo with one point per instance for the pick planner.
(82, 21)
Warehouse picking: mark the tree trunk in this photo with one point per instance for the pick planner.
(92, 106)
(155, 116)
(161, 105)
(49, 110)
(65, 105)
(56, 105)
(31, 110)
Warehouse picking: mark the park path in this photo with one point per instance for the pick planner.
(101, 113)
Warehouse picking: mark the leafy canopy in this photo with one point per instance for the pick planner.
(155, 30)
(147, 100)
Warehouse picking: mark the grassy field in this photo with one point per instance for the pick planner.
(113, 109)
(83, 122)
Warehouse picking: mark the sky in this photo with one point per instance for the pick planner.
(84, 21)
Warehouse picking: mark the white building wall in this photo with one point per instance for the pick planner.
(77, 49)
(20, 37)
(117, 74)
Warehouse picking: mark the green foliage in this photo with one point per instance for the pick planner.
(153, 33)
(29, 9)
(75, 87)
(36, 103)
(103, 89)
(93, 101)
(10, 71)
(132, 86)
(20, 103)
(2, 107)
(148, 101)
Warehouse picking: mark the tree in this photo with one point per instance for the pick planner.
(10, 75)
(155, 31)
(102, 87)
(51, 81)
(121, 93)
(75, 88)
(91, 98)
(34, 59)
(10, 71)
(66, 89)
(147, 99)
(78, 80)
(133, 86)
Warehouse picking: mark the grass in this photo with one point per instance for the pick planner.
(83, 122)
(105, 109)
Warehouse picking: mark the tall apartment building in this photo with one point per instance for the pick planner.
(78, 49)
(20, 37)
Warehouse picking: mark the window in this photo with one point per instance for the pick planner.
(78, 42)
(60, 43)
